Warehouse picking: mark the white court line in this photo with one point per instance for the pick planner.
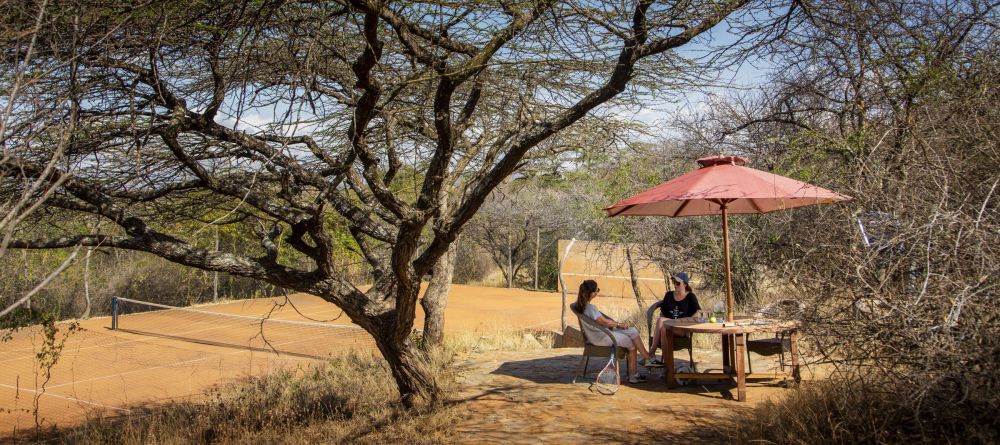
(183, 362)
(544, 322)
(168, 365)
(129, 341)
(144, 340)
(59, 396)
(232, 316)
(126, 410)
(610, 276)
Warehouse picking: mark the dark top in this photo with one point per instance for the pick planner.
(679, 309)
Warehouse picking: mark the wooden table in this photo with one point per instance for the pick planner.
(733, 346)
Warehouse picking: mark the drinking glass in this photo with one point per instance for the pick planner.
(719, 311)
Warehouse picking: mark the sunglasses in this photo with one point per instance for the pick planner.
(676, 283)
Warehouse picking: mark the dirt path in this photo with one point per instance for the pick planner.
(528, 397)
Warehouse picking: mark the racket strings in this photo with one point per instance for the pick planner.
(608, 380)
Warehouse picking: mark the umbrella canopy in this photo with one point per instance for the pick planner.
(723, 180)
(722, 186)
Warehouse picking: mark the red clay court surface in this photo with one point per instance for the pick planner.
(154, 358)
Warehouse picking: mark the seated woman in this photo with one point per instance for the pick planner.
(678, 303)
(625, 336)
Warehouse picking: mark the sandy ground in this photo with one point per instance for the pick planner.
(161, 356)
(512, 397)
(528, 397)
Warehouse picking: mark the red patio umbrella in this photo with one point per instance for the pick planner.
(722, 186)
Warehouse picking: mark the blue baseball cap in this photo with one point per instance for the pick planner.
(682, 277)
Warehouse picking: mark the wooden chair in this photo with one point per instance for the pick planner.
(592, 350)
(781, 342)
(679, 342)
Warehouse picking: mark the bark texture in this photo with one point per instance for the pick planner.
(436, 299)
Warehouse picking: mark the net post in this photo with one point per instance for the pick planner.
(114, 313)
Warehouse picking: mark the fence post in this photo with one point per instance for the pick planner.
(114, 313)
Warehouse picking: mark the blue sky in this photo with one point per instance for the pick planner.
(749, 74)
(655, 113)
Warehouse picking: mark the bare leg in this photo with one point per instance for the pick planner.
(640, 347)
(657, 340)
(631, 362)
(663, 333)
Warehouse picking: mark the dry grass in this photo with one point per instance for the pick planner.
(351, 399)
(494, 278)
(498, 336)
(838, 412)
(631, 315)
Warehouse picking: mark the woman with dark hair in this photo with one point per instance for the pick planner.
(625, 335)
(678, 303)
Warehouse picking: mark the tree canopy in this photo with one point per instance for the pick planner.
(295, 116)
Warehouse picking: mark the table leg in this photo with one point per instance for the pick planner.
(668, 359)
(795, 356)
(741, 375)
(732, 350)
(725, 352)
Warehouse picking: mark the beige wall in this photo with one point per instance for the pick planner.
(606, 263)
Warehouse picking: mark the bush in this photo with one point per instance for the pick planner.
(123, 274)
(472, 264)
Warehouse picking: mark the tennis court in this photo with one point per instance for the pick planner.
(159, 354)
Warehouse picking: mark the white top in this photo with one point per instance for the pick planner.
(592, 333)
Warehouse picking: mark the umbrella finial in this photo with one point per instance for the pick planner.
(716, 160)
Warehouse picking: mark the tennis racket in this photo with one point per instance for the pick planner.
(608, 380)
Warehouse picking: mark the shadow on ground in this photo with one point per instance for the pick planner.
(529, 397)
(562, 369)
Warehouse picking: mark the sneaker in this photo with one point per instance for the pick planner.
(652, 363)
(638, 378)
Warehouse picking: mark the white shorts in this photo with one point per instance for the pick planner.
(622, 336)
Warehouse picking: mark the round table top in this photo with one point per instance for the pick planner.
(742, 325)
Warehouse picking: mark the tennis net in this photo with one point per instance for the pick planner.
(266, 334)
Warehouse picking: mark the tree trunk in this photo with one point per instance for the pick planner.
(510, 263)
(634, 277)
(27, 273)
(215, 274)
(409, 366)
(86, 284)
(436, 298)
(538, 240)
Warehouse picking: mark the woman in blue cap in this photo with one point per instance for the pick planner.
(678, 303)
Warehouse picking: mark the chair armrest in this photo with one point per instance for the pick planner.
(649, 321)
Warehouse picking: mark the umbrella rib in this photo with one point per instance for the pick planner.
(679, 209)
(753, 203)
(624, 209)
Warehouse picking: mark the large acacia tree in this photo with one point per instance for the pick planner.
(296, 116)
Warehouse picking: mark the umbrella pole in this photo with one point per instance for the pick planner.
(730, 302)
